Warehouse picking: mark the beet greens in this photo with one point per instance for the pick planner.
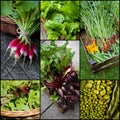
(58, 75)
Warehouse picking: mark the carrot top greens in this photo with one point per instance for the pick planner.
(100, 22)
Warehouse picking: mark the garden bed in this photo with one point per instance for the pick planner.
(100, 37)
(95, 67)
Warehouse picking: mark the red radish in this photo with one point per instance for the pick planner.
(17, 54)
(13, 44)
(34, 49)
(31, 53)
(24, 50)
(18, 46)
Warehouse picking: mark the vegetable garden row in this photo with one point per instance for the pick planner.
(94, 24)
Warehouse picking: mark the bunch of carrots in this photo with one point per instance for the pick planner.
(101, 45)
(107, 44)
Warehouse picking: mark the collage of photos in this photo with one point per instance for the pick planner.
(60, 60)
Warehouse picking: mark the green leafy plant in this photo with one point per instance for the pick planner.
(20, 95)
(58, 75)
(54, 58)
(26, 15)
(100, 30)
(61, 19)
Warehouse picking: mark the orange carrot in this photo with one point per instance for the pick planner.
(105, 47)
(108, 42)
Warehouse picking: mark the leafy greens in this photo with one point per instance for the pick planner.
(20, 95)
(54, 59)
(61, 19)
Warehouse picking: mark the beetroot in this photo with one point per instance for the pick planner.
(67, 86)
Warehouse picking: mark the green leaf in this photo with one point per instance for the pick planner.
(9, 99)
(6, 8)
(58, 18)
(26, 6)
(53, 35)
(54, 59)
(54, 97)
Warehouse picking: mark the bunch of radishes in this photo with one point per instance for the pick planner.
(67, 87)
(18, 49)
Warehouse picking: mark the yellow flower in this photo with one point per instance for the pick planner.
(92, 48)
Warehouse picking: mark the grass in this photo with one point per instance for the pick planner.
(111, 73)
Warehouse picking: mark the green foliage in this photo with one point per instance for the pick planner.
(86, 72)
(54, 97)
(100, 22)
(25, 14)
(115, 9)
(7, 8)
(13, 99)
(62, 19)
(54, 59)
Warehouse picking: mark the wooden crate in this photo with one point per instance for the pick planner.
(95, 67)
(8, 26)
